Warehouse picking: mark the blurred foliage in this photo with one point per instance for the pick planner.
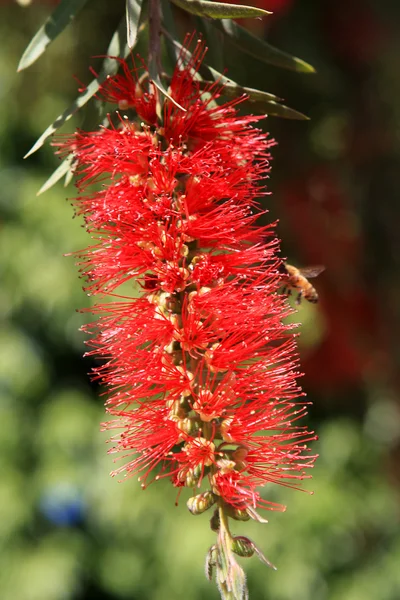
(67, 530)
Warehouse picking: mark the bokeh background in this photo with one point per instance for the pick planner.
(70, 532)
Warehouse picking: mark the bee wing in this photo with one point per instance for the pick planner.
(310, 272)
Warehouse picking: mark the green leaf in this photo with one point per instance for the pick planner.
(220, 10)
(65, 168)
(91, 89)
(155, 78)
(133, 10)
(118, 48)
(55, 24)
(233, 89)
(262, 102)
(275, 109)
(257, 48)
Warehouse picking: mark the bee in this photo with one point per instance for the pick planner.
(297, 279)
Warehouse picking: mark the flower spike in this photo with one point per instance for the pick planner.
(201, 368)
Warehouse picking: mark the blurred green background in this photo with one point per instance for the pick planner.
(69, 531)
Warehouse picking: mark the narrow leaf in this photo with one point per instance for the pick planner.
(234, 90)
(118, 48)
(69, 176)
(55, 24)
(220, 10)
(260, 49)
(91, 89)
(133, 10)
(275, 109)
(65, 168)
(155, 78)
(262, 102)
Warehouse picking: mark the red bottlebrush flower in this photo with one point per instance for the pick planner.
(201, 369)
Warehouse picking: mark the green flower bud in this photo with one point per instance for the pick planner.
(190, 477)
(200, 503)
(237, 513)
(242, 546)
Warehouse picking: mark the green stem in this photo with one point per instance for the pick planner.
(230, 576)
(224, 521)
